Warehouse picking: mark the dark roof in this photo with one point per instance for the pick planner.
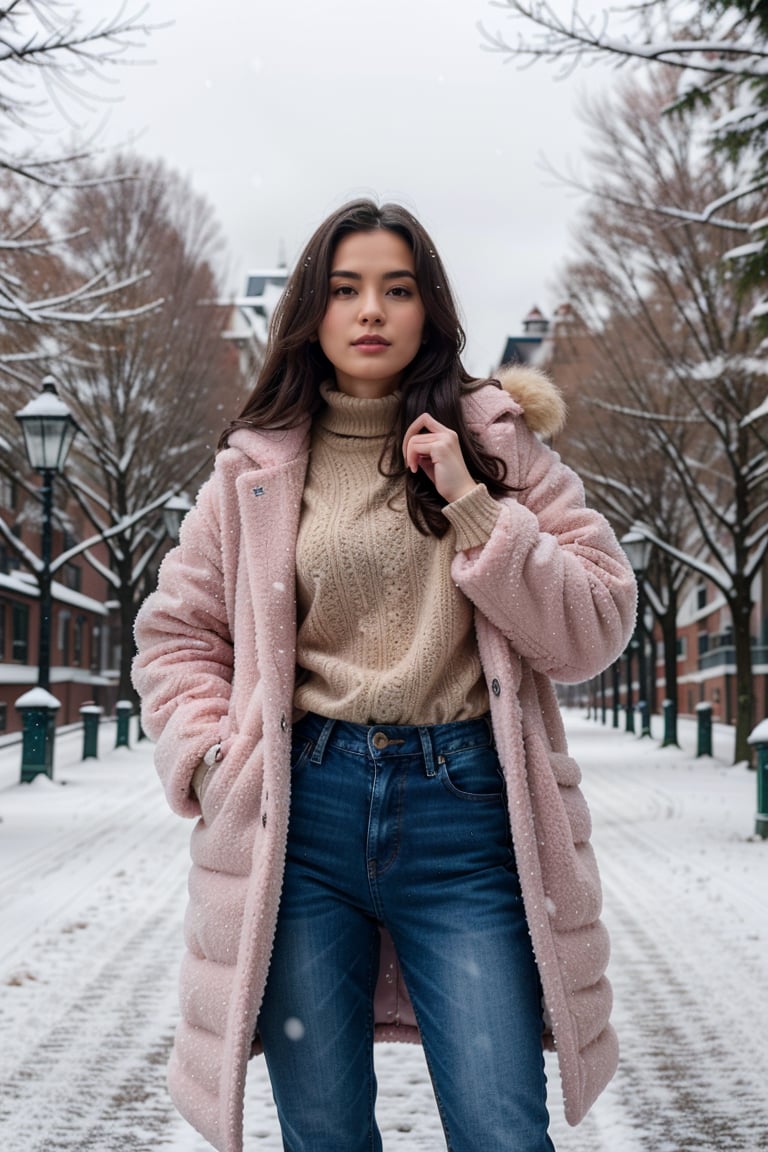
(520, 349)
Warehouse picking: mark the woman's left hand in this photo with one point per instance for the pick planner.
(429, 445)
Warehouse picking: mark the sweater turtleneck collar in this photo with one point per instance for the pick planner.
(366, 417)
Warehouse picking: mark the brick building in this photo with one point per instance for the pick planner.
(82, 655)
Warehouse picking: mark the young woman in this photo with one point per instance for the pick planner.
(347, 669)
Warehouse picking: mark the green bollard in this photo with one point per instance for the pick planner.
(645, 718)
(38, 717)
(704, 729)
(759, 738)
(123, 708)
(91, 714)
(670, 724)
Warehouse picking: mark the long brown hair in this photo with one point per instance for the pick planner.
(287, 388)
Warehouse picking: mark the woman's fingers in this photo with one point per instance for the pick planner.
(435, 449)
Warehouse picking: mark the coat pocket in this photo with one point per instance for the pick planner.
(220, 778)
(563, 828)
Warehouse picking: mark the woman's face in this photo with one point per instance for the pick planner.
(374, 323)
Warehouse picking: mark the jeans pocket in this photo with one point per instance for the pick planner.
(472, 774)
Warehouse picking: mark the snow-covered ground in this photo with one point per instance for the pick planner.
(92, 891)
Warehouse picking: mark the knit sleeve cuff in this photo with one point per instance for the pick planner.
(473, 517)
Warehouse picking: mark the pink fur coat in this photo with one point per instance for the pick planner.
(554, 599)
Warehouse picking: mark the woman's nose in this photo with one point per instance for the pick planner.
(371, 309)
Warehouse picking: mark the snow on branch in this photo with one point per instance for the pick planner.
(33, 562)
(68, 308)
(695, 563)
(642, 413)
(63, 53)
(103, 570)
(567, 40)
(120, 527)
(38, 243)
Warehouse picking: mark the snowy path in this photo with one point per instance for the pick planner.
(92, 891)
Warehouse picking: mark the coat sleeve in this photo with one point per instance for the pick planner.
(551, 576)
(183, 670)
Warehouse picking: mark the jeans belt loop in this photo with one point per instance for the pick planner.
(322, 740)
(430, 764)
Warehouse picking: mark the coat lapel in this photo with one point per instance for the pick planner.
(270, 506)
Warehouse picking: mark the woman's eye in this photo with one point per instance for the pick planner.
(399, 291)
(343, 290)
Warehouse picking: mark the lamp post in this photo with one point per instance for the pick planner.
(629, 708)
(174, 511)
(638, 551)
(49, 429)
(616, 688)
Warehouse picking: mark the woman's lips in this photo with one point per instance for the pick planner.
(371, 345)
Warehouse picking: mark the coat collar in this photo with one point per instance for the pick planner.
(270, 448)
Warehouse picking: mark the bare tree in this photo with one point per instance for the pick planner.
(718, 53)
(675, 359)
(626, 473)
(52, 64)
(151, 392)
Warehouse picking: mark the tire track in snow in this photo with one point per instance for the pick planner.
(95, 1080)
(87, 1028)
(692, 1065)
(30, 892)
(87, 1013)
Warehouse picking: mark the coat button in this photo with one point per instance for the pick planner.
(283, 723)
(495, 687)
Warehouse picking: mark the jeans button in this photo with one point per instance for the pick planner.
(380, 740)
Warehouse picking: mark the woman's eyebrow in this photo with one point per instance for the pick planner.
(398, 274)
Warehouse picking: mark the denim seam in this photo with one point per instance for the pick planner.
(384, 868)
(372, 953)
(438, 1101)
(444, 777)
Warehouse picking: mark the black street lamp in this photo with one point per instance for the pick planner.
(638, 551)
(49, 429)
(629, 708)
(174, 511)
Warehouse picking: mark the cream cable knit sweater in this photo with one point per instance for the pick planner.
(385, 636)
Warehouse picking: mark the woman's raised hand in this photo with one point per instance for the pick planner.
(429, 445)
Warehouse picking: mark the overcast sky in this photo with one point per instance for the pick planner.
(280, 110)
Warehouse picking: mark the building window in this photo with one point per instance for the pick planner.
(8, 492)
(9, 561)
(20, 614)
(64, 617)
(77, 641)
(71, 576)
(703, 642)
(3, 717)
(2, 631)
(682, 647)
(701, 595)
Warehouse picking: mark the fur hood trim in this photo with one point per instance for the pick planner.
(539, 397)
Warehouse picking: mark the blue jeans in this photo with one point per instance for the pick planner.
(405, 827)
